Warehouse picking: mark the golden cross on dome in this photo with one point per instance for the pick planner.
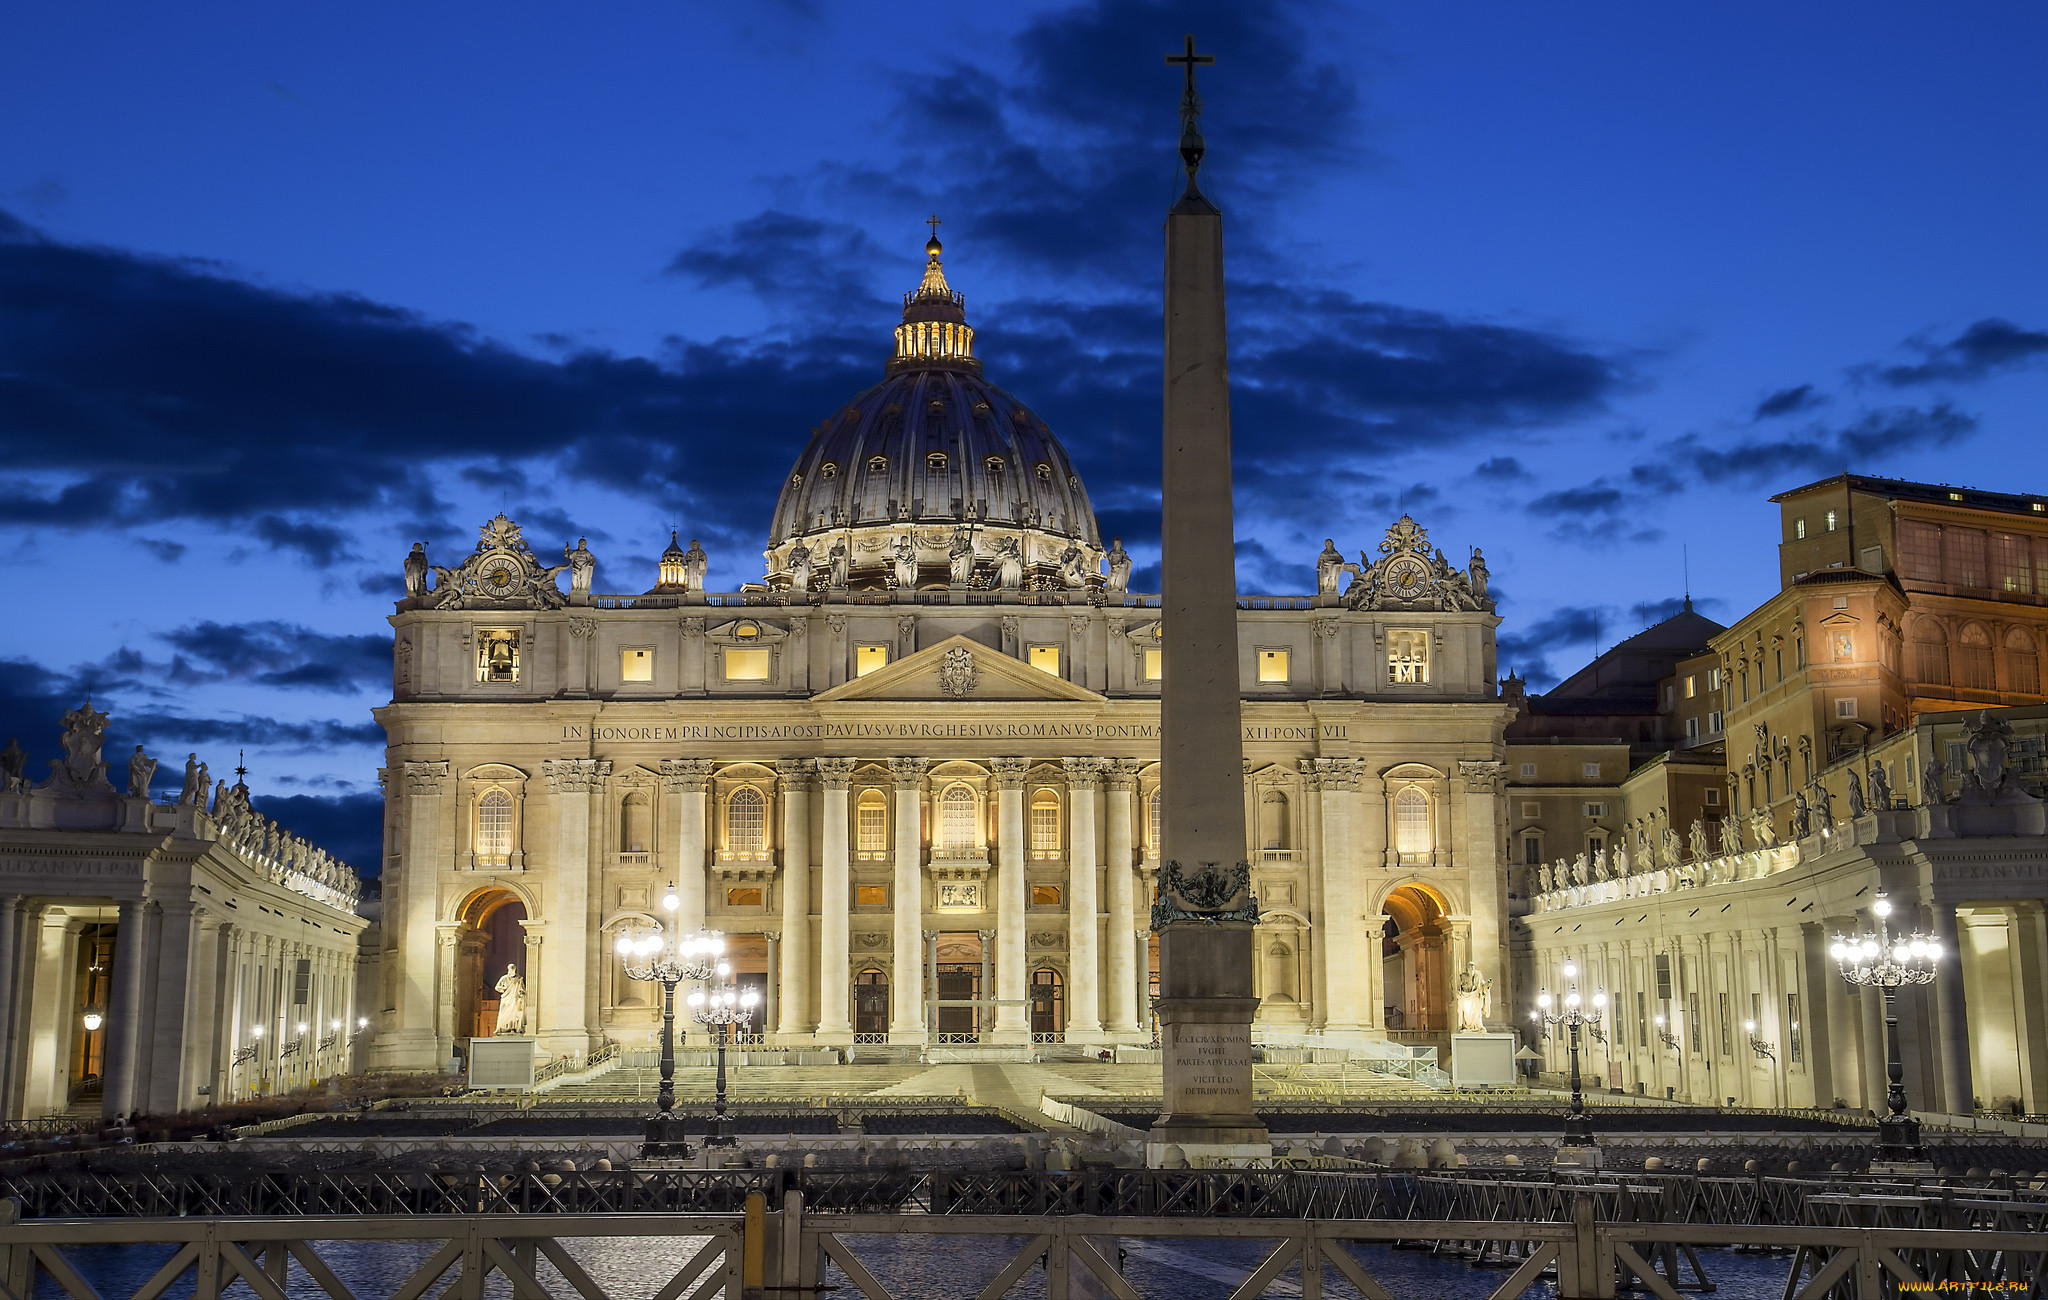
(934, 222)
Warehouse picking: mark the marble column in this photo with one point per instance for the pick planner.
(448, 989)
(686, 778)
(414, 1043)
(533, 932)
(170, 1088)
(985, 987)
(1338, 921)
(1120, 884)
(794, 1005)
(1478, 854)
(565, 1016)
(1817, 1022)
(906, 997)
(10, 993)
(835, 905)
(773, 1001)
(931, 980)
(49, 1043)
(1314, 850)
(1084, 923)
(1013, 1019)
(1954, 1012)
(124, 1016)
(2029, 957)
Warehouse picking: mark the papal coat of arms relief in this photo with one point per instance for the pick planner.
(957, 673)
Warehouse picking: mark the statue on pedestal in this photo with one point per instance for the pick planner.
(960, 558)
(1856, 805)
(1074, 567)
(416, 571)
(1329, 568)
(1119, 566)
(1475, 1000)
(905, 553)
(695, 565)
(1697, 840)
(1880, 787)
(582, 564)
(1802, 816)
(836, 564)
(511, 1001)
(799, 569)
(1009, 564)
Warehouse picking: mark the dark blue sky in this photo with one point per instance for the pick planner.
(283, 290)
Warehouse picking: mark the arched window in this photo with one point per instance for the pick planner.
(1044, 472)
(1152, 827)
(1412, 839)
(2022, 662)
(1975, 669)
(1930, 653)
(494, 828)
(1273, 820)
(746, 823)
(935, 464)
(636, 824)
(956, 822)
(1045, 824)
(828, 470)
(993, 467)
(870, 1005)
(871, 825)
(878, 464)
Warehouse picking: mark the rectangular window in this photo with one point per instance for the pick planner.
(1691, 686)
(867, 658)
(636, 665)
(1528, 771)
(1713, 797)
(1779, 657)
(1045, 658)
(1795, 1041)
(1155, 665)
(1273, 667)
(1642, 1020)
(742, 898)
(1590, 770)
(1407, 658)
(870, 895)
(1663, 977)
(497, 655)
(1532, 850)
(1799, 530)
(2011, 569)
(745, 665)
(1714, 720)
(1713, 679)
(1596, 810)
(1045, 895)
(1727, 1034)
(302, 982)
(1692, 1020)
(1531, 808)
(1962, 557)
(871, 826)
(1830, 521)
(1845, 708)
(1919, 550)
(1692, 728)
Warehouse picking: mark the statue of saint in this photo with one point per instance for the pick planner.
(511, 1001)
(582, 564)
(905, 551)
(1476, 574)
(1802, 816)
(695, 565)
(1880, 787)
(1119, 566)
(1856, 805)
(1009, 564)
(141, 770)
(1823, 807)
(836, 564)
(1987, 741)
(1073, 566)
(1329, 568)
(1933, 787)
(1698, 839)
(416, 571)
(194, 790)
(800, 568)
(960, 558)
(1475, 1000)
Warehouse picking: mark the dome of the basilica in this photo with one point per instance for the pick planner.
(932, 449)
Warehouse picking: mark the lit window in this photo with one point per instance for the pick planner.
(746, 819)
(1691, 687)
(1407, 657)
(742, 898)
(745, 665)
(870, 895)
(1411, 824)
(636, 665)
(1045, 824)
(494, 828)
(1045, 658)
(956, 822)
(1045, 895)
(1273, 666)
(1155, 665)
(746, 631)
(867, 658)
(871, 821)
(497, 655)
(1532, 850)
(1830, 521)
(1799, 530)
(1152, 848)
(828, 470)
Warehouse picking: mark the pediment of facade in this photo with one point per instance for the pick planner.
(962, 670)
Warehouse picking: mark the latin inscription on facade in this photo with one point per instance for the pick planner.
(758, 731)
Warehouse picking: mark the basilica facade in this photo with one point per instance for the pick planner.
(912, 773)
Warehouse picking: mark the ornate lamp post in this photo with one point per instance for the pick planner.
(1578, 1126)
(669, 961)
(1883, 962)
(723, 1006)
(1665, 1035)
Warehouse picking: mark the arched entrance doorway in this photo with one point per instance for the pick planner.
(870, 1006)
(491, 939)
(1048, 1006)
(1415, 964)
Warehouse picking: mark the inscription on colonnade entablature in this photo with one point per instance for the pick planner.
(759, 731)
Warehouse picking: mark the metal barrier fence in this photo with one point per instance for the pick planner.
(795, 1250)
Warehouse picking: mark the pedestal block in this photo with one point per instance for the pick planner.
(1482, 1060)
(505, 1061)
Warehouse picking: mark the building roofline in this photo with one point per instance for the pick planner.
(1935, 493)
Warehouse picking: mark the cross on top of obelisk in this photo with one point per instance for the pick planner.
(934, 222)
(1191, 146)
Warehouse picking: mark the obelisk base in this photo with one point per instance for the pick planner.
(1206, 1076)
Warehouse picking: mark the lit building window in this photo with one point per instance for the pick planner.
(636, 665)
(1045, 658)
(867, 658)
(1045, 824)
(1799, 530)
(746, 823)
(743, 898)
(750, 665)
(1411, 824)
(1830, 522)
(1045, 895)
(871, 896)
(1155, 665)
(1273, 667)
(871, 825)
(1407, 658)
(956, 822)
(1152, 845)
(494, 828)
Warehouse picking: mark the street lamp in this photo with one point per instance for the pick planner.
(724, 1006)
(669, 962)
(1670, 1039)
(1578, 1126)
(1882, 962)
(1761, 1047)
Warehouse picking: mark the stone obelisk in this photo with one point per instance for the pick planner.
(1205, 913)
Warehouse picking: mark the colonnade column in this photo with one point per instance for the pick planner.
(10, 954)
(794, 1004)
(55, 983)
(1121, 888)
(1337, 873)
(1013, 1020)
(686, 778)
(170, 1086)
(124, 1015)
(2029, 956)
(1954, 1051)
(906, 996)
(1817, 1013)
(1084, 925)
(1479, 854)
(414, 1043)
(565, 1020)
(835, 905)
(1313, 850)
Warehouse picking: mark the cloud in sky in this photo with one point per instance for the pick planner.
(1985, 347)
